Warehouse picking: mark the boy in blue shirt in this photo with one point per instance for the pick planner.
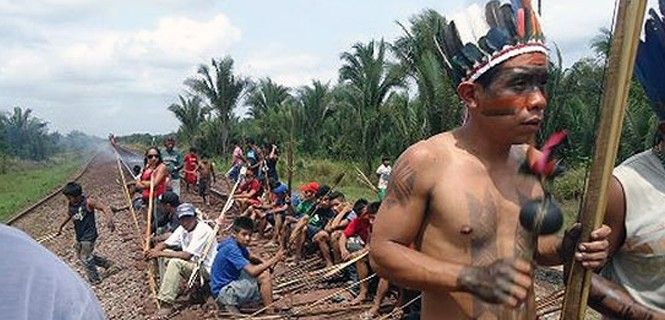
(237, 277)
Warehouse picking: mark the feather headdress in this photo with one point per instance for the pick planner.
(476, 40)
(650, 62)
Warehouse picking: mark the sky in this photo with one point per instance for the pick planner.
(102, 66)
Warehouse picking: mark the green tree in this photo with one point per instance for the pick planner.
(266, 96)
(191, 115)
(368, 78)
(418, 52)
(314, 106)
(27, 136)
(222, 90)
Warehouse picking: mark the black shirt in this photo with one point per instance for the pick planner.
(84, 221)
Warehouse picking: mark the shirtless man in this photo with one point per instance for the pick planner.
(458, 195)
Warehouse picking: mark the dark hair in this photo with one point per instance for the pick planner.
(273, 183)
(250, 141)
(373, 207)
(136, 170)
(336, 195)
(159, 156)
(385, 159)
(192, 149)
(359, 205)
(486, 79)
(72, 189)
(243, 223)
(323, 190)
(204, 156)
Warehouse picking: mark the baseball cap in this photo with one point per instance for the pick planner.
(171, 198)
(185, 210)
(311, 187)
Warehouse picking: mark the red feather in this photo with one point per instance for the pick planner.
(540, 163)
(520, 22)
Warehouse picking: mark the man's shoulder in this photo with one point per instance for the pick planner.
(427, 151)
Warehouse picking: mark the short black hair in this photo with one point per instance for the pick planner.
(72, 189)
(250, 141)
(385, 159)
(273, 183)
(323, 190)
(359, 205)
(243, 223)
(136, 170)
(373, 207)
(336, 195)
(486, 79)
(192, 149)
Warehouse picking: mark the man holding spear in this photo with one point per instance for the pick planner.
(458, 195)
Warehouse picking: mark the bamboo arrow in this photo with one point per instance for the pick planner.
(617, 84)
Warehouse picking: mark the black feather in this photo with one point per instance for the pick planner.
(661, 5)
(485, 46)
(528, 27)
(451, 40)
(497, 38)
(493, 16)
(472, 53)
(508, 17)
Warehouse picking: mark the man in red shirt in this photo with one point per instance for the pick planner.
(249, 192)
(356, 237)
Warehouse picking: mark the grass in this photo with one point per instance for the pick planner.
(27, 182)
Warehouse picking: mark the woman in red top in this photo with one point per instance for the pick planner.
(153, 167)
(191, 164)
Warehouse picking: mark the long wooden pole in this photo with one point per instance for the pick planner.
(148, 227)
(152, 284)
(625, 39)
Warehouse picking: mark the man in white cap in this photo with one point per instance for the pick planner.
(189, 241)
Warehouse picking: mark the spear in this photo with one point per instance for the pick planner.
(209, 242)
(617, 84)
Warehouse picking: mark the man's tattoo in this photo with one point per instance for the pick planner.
(522, 236)
(483, 216)
(401, 183)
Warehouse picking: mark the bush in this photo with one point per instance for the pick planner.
(570, 186)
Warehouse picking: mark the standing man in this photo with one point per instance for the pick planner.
(457, 195)
(383, 173)
(82, 211)
(237, 162)
(173, 160)
(191, 237)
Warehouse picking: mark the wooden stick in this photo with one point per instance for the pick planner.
(363, 178)
(152, 284)
(617, 84)
(148, 228)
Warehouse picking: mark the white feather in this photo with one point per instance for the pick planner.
(477, 21)
(463, 28)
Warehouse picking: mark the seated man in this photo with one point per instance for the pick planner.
(336, 227)
(355, 238)
(192, 236)
(314, 230)
(272, 212)
(237, 276)
(249, 192)
(306, 201)
(167, 220)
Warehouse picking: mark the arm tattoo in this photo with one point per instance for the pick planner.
(401, 183)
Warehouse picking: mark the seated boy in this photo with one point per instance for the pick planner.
(238, 277)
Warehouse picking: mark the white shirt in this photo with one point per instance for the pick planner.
(384, 174)
(639, 266)
(194, 242)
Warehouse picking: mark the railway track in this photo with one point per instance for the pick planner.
(125, 294)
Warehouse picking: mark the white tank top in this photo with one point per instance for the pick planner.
(639, 266)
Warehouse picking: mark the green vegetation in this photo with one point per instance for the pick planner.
(27, 182)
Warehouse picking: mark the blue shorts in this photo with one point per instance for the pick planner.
(311, 231)
(245, 290)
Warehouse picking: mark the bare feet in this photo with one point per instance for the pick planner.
(358, 300)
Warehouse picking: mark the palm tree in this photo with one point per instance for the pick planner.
(266, 95)
(368, 78)
(27, 136)
(313, 108)
(191, 115)
(222, 90)
(418, 53)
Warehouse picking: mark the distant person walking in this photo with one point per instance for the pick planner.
(81, 210)
(174, 163)
(206, 171)
(383, 172)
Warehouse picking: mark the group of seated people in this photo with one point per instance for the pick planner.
(318, 217)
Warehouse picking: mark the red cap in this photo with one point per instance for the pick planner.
(311, 187)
